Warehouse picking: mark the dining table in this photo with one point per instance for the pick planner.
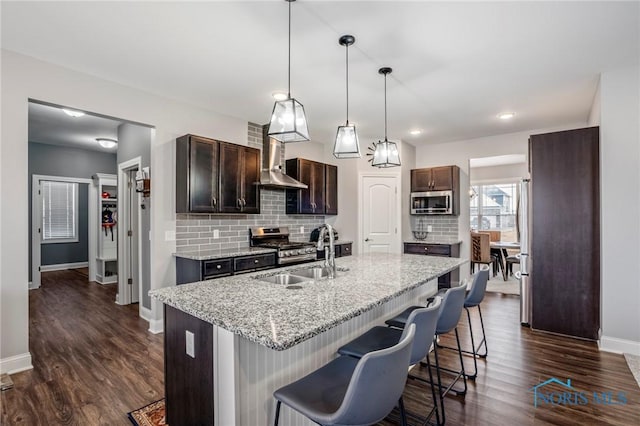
(501, 247)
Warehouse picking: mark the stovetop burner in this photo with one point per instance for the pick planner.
(278, 238)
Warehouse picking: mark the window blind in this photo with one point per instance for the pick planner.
(59, 210)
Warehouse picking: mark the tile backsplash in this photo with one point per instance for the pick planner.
(442, 226)
(195, 232)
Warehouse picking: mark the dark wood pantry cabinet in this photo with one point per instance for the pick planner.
(216, 177)
(322, 195)
(565, 232)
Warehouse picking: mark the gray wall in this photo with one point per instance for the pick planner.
(67, 162)
(135, 141)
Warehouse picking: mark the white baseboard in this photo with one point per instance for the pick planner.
(33, 287)
(63, 266)
(156, 326)
(619, 346)
(16, 364)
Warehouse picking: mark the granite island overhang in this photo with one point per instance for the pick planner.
(265, 335)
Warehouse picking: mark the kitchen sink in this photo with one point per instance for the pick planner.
(316, 273)
(284, 279)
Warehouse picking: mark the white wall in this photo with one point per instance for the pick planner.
(458, 153)
(23, 78)
(349, 170)
(497, 173)
(620, 209)
(596, 107)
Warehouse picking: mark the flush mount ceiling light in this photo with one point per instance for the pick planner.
(107, 143)
(73, 113)
(506, 115)
(347, 145)
(386, 153)
(415, 132)
(279, 96)
(288, 121)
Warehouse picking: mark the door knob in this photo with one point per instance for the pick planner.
(368, 239)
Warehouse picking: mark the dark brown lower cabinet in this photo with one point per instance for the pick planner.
(565, 232)
(432, 249)
(188, 381)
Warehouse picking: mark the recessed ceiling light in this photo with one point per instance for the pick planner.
(73, 112)
(506, 115)
(107, 143)
(415, 132)
(279, 96)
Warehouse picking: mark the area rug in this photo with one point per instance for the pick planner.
(498, 285)
(634, 365)
(149, 415)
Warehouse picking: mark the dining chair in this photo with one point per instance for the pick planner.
(379, 337)
(351, 391)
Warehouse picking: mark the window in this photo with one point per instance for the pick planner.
(494, 207)
(59, 212)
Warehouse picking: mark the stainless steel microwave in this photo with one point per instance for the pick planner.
(432, 202)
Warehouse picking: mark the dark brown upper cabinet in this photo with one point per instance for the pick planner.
(239, 176)
(435, 179)
(216, 177)
(197, 175)
(331, 189)
(322, 195)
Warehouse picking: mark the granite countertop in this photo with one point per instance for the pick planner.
(279, 318)
(220, 254)
(435, 240)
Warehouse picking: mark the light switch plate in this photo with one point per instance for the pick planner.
(216, 234)
(189, 344)
(302, 229)
(429, 228)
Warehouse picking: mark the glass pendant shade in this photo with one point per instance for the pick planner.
(288, 122)
(386, 155)
(347, 145)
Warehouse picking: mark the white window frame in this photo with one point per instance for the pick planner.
(76, 212)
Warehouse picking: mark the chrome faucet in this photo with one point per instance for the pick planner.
(329, 252)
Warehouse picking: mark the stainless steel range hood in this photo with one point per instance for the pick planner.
(272, 175)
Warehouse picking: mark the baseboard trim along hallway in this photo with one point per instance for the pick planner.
(16, 364)
(619, 346)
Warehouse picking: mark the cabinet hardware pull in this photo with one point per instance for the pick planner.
(213, 201)
(368, 239)
(328, 205)
(238, 203)
(256, 261)
(218, 266)
(244, 203)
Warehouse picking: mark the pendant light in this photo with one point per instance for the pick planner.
(288, 122)
(347, 145)
(386, 153)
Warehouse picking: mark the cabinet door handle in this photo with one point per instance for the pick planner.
(218, 266)
(256, 261)
(426, 249)
(328, 205)
(239, 204)
(213, 202)
(244, 203)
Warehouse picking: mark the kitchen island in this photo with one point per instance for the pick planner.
(230, 342)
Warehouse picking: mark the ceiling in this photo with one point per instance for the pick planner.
(456, 65)
(50, 125)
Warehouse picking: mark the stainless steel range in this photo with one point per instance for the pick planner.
(278, 237)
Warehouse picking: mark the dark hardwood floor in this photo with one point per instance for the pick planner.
(520, 359)
(94, 361)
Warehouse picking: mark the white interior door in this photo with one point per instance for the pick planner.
(380, 214)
